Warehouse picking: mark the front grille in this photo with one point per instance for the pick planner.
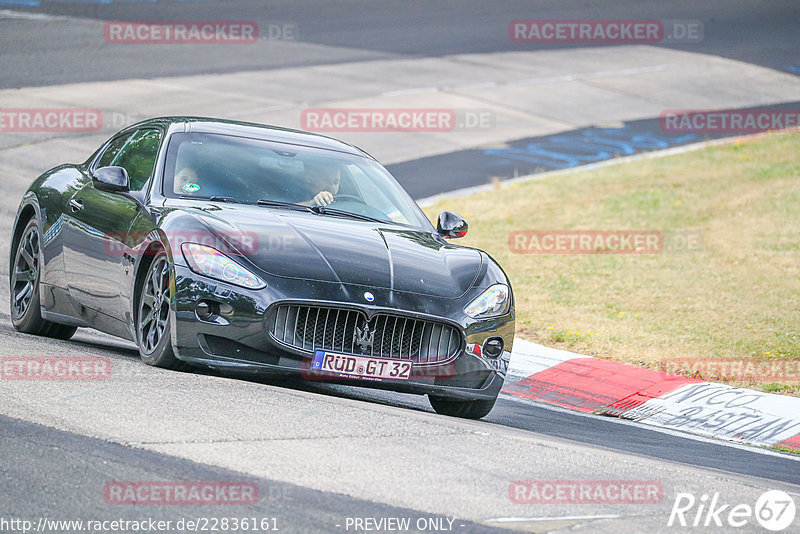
(311, 328)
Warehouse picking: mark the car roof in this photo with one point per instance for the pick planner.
(253, 130)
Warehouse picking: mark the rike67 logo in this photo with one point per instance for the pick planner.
(774, 510)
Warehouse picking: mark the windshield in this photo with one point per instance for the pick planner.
(248, 170)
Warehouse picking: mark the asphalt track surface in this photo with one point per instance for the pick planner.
(763, 33)
(59, 469)
(42, 483)
(56, 474)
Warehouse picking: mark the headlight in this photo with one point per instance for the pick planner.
(491, 303)
(211, 262)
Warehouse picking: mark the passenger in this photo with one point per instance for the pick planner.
(185, 182)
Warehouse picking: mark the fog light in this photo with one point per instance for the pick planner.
(206, 310)
(493, 347)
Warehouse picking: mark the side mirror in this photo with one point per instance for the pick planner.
(451, 225)
(111, 179)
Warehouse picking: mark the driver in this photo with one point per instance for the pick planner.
(326, 183)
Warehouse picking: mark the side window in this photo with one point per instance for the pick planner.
(136, 154)
(111, 152)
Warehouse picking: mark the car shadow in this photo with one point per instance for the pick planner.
(382, 397)
(92, 339)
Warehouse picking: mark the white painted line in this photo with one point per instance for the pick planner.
(413, 91)
(593, 75)
(534, 81)
(19, 15)
(523, 347)
(246, 112)
(546, 518)
(479, 85)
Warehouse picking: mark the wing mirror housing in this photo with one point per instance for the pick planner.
(451, 225)
(111, 179)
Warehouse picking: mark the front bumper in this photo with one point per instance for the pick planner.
(237, 338)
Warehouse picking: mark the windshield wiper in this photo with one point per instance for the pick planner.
(287, 205)
(319, 210)
(214, 198)
(322, 210)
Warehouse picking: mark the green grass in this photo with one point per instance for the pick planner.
(736, 296)
(786, 449)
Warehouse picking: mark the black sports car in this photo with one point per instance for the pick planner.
(244, 247)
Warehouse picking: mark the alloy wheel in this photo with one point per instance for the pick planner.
(154, 306)
(26, 272)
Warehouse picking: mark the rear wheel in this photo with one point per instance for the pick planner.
(153, 326)
(474, 409)
(26, 314)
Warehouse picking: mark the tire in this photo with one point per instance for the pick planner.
(26, 313)
(474, 409)
(152, 316)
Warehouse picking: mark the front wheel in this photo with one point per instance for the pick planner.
(474, 409)
(26, 313)
(152, 318)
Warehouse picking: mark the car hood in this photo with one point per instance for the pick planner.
(333, 249)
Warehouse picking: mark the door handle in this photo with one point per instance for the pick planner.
(76, 205)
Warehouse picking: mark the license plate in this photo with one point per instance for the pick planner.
(365, 368)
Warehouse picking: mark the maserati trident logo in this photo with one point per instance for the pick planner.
(364, 337)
